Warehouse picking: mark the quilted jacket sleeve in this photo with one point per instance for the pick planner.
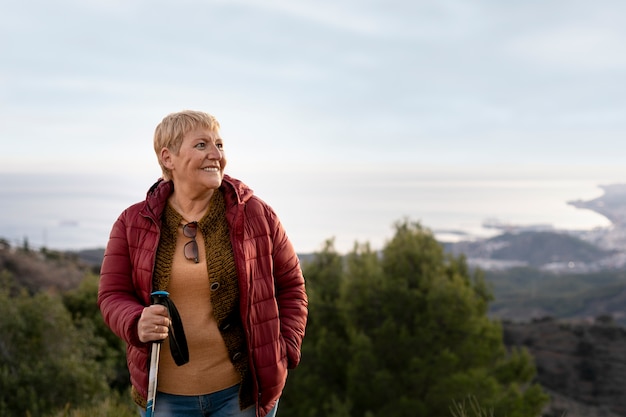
(290, 294)
(117, 296)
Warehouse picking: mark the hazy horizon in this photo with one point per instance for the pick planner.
(66, 211)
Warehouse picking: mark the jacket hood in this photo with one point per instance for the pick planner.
(242, 192)
(157, 196)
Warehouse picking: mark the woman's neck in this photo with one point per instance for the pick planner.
(192, 209)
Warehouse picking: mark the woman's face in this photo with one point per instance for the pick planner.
(200, 161)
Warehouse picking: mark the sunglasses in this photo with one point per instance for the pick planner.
(191, 247)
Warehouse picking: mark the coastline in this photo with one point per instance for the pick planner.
(75, 212)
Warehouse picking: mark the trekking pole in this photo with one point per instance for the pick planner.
(158, 297)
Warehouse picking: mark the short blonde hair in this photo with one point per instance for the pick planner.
(170, 132)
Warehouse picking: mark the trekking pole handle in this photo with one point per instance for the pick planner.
(158, 297)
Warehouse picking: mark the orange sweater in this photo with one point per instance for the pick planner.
(209, 368)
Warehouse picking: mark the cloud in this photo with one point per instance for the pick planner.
(349, 82)
(573, 49)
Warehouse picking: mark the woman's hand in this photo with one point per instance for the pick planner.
(153, 324)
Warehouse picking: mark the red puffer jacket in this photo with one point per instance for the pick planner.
(272, 291)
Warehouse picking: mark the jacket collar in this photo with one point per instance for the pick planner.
(235, 193)
(156, 198)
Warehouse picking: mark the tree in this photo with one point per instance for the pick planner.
(45, 361)
(408, 335)
(321, 375)
(82, 305)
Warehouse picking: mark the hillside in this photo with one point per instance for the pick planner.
(48, 270)
(524, 294)
(583, 366)
(572, 324)
(545, 250)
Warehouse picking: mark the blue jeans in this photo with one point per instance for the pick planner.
(223, 403)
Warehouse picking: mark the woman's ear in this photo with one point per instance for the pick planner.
(166, 158)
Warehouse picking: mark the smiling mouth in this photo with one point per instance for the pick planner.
(211, 169)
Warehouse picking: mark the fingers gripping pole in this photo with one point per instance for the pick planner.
(158, 297)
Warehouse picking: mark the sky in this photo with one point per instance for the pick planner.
(318, 90)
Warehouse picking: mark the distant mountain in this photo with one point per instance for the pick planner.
(558, 251)
(535, 249)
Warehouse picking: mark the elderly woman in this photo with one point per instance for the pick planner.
(224, 258)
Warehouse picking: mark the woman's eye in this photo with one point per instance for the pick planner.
(219, 145)
(201, 145)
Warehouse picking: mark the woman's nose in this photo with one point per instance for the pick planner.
(214, 152)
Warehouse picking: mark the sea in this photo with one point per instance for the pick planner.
(72, 211)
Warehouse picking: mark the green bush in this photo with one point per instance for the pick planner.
(111, 354)
(46, 362)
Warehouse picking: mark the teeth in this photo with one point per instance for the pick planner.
(210, 169)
